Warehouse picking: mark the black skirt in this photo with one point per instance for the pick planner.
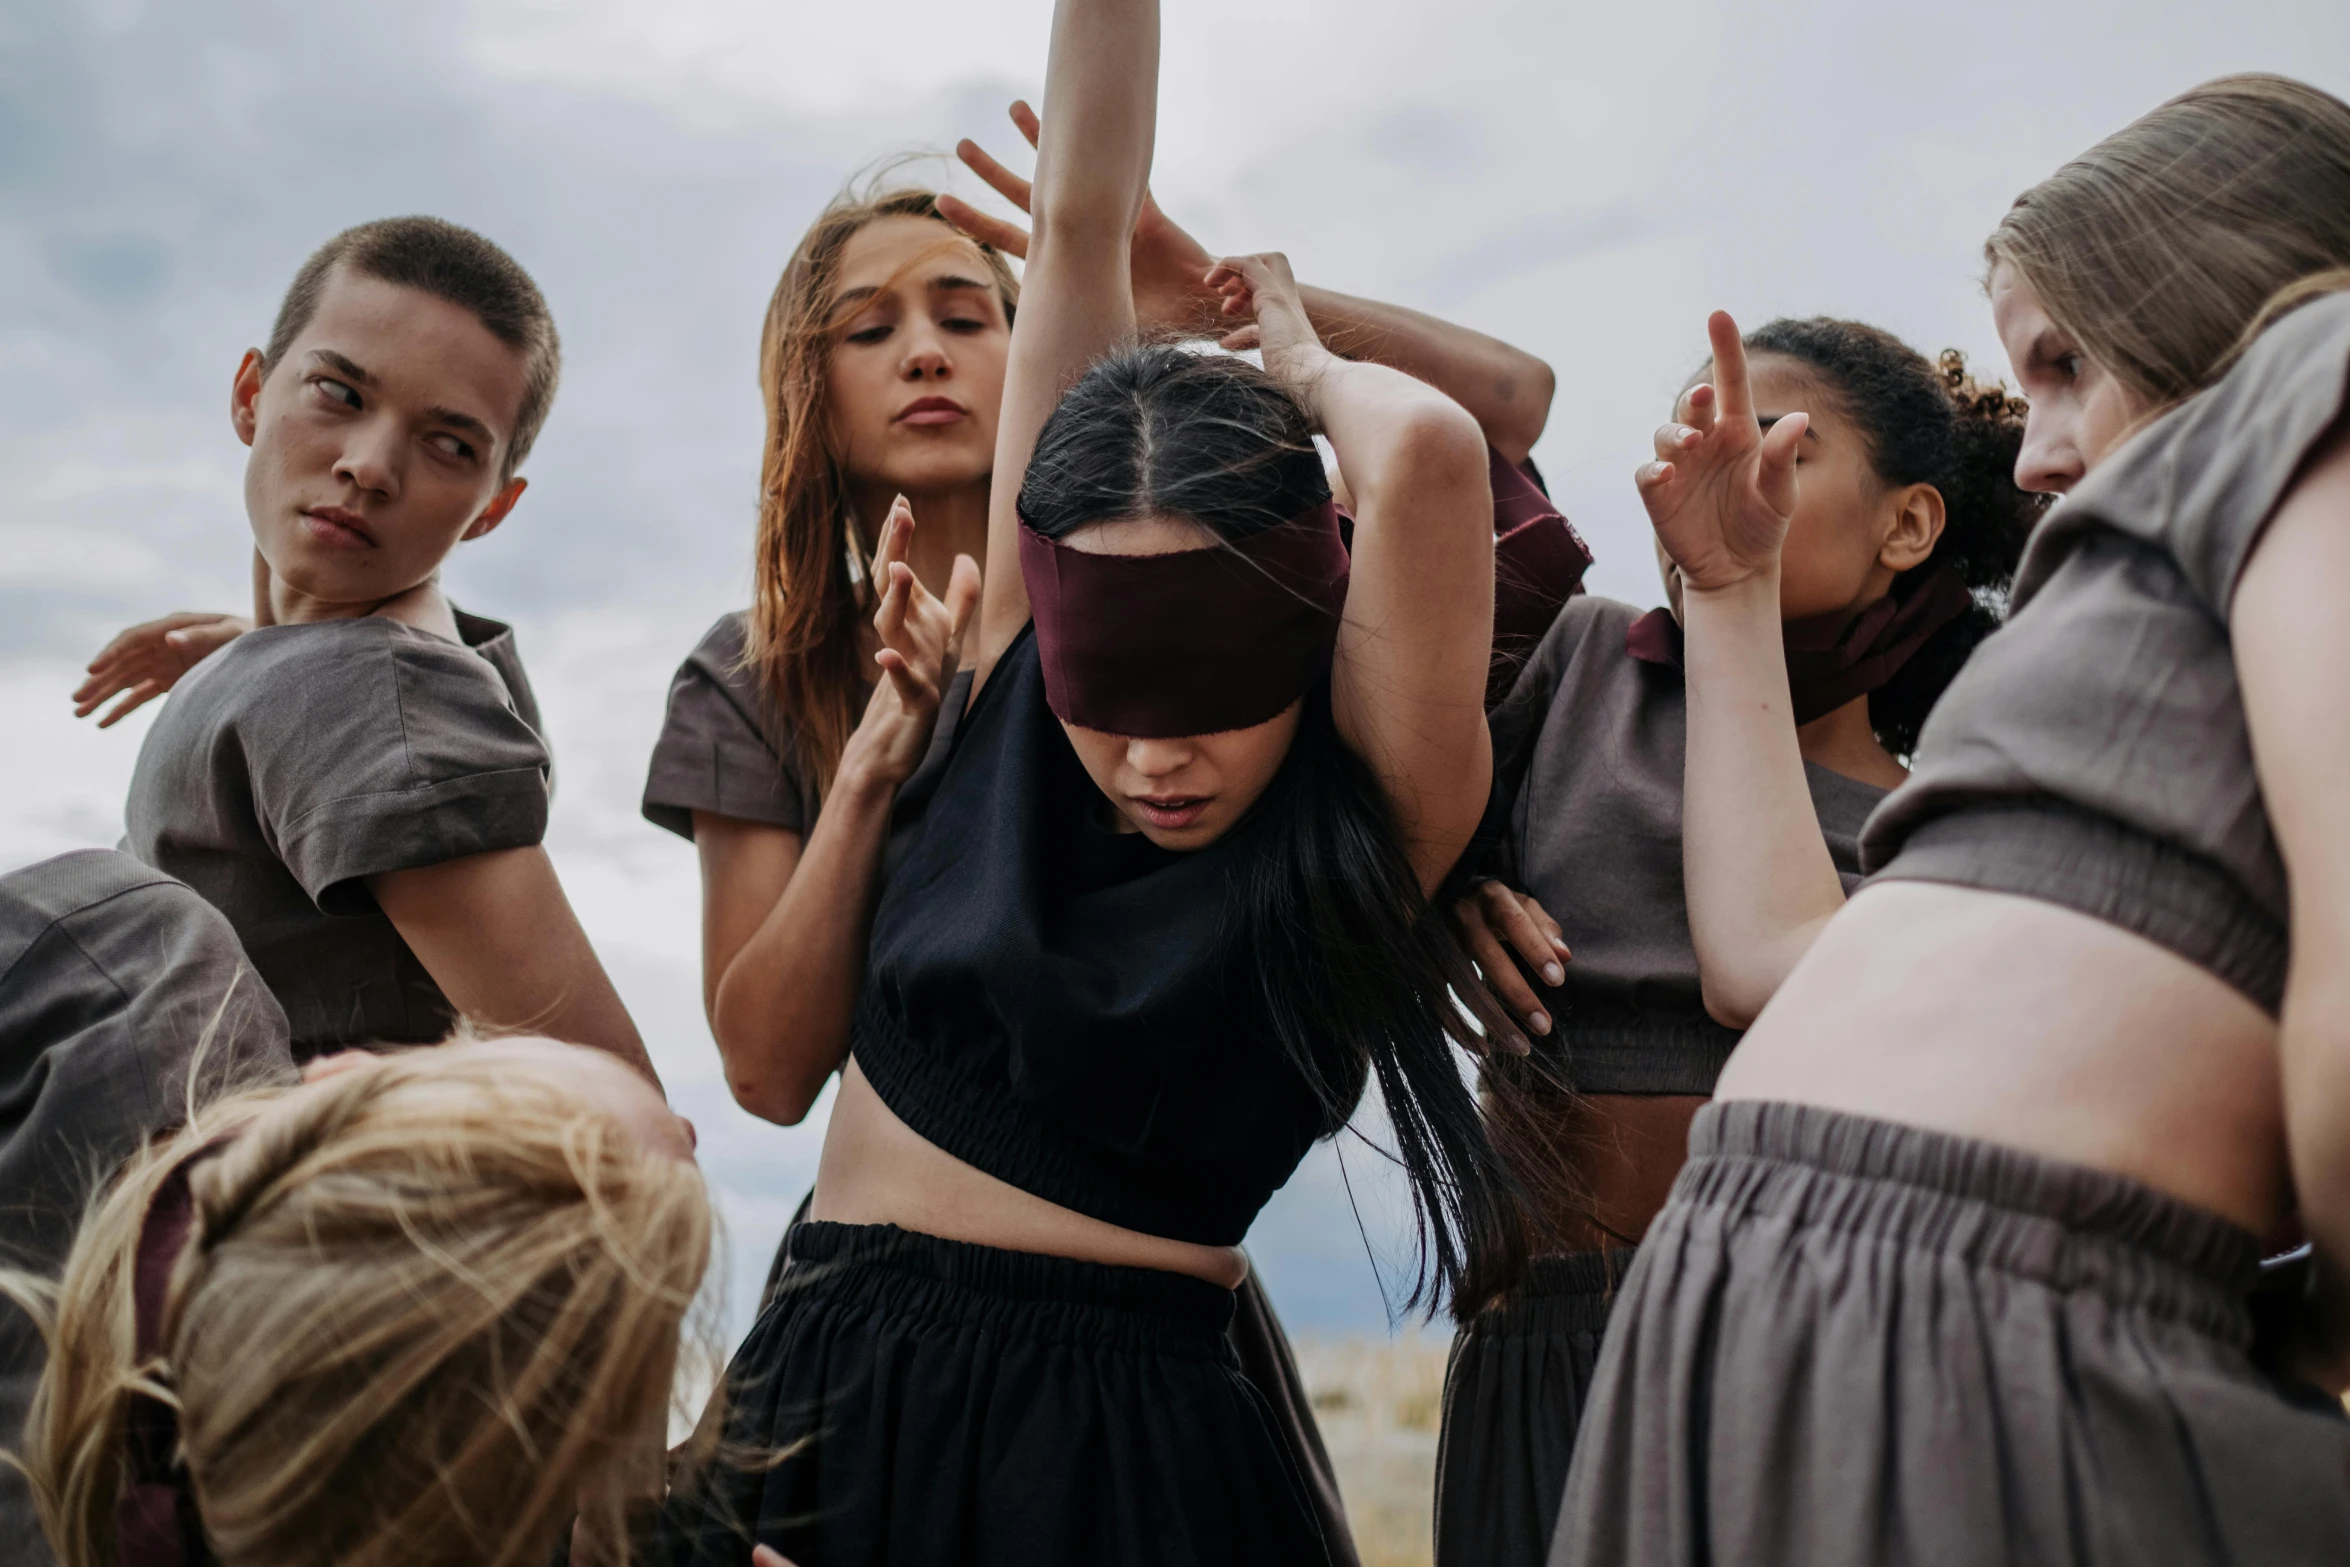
(1848, 1343)
(1513, 1395)
(924, 1401)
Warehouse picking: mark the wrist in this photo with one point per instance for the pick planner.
(1758, 588)
(866, 777)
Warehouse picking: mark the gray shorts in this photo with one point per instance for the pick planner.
(1846, 1342)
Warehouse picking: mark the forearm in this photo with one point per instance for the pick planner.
(782, 1007)
(1506, 390)
(2315, 1047)
(1757, 872)
(1100, 114)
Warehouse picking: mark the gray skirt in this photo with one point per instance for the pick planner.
(1847, 1342)
(1513, 1392)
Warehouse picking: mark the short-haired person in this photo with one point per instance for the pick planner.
(784, 759)
(1908, 508)
(1958, 1268)
(421, 1309)
(123, 998)
(1104, 1013)
(359, 782)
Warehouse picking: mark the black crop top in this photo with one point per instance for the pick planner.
(2094, 752)
(1071, 1010)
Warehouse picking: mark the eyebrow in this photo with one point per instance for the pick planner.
(454, 418)
(851, 296)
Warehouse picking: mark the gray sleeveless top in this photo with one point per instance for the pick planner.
(2094, 752)
(1589, 749)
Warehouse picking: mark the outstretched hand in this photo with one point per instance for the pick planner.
(1168, 264)
(1496, 923)
(1722, 490)
(144, 662)
(921, 644)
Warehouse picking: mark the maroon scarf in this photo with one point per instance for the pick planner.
(1194, 642)
(1830, 662)
(1538, 564)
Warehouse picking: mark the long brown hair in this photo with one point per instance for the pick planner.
(808, 575)
(2159, 248)
(424, 1318)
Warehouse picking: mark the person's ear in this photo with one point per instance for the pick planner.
(1918, 518)
(495, 512)
(244, 397)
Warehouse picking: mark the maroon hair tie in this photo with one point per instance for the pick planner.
(1829, 662)
(1195, 642)
(155, 1521)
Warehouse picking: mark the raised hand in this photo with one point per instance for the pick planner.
(148, 660)
(921, 644)
(1168, 264)
(1261, 292)
(1722, 489)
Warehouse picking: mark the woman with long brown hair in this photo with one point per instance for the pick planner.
(1960, 1264)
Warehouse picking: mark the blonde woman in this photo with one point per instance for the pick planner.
(421, 1309)
(1958, 1268)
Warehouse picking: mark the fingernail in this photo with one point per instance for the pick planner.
(1553, 973)
(1541, 1022)
(1519, 1046)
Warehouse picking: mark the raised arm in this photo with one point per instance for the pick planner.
(1505, 389)
(1408, 680)
(1757, 872)
(785, 921)
(2292, 647)
(1076, 298)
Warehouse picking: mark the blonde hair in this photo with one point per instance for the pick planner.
(424, 1316)
(804, 605)
(2162, 249)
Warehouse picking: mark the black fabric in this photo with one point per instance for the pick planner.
(1102, 1048)
(2094, 752)
(300, 760)
(1850, 1342)
(1513, 1397)
(942, 1403)
(111, 977)
(1261, 1347)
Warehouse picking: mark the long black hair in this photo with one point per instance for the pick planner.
(1926, 423)
(1356, 971)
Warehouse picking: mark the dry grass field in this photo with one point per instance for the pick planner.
(1378, 1401)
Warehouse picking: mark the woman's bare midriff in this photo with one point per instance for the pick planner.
(878, 1170)
(1626, 1149)
(2018, 1022)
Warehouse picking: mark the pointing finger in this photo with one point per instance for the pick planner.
(1737, 401)
(1025, 117)
(1003, 181)
(997, 233)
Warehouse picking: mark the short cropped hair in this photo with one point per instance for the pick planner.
(439, 258)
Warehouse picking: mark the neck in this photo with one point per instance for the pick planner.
(423, 606)
(947, 522)
(1843, 742)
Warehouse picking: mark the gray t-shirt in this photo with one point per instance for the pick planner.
(1589, 748)
(725, 749)
(300, 760)
(2094, 752)
(111, 974)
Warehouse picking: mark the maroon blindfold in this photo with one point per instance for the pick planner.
(1191, 643)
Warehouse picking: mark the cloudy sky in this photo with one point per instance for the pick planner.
(1586, 180)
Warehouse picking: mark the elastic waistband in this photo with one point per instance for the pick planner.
(1027, 1294)
(1611, 1043)
(2064, 1225)
(1563, 1292)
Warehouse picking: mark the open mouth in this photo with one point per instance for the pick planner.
(1170, 812)
(927, 411)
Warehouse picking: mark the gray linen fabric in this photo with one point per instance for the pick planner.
(300, 760)
(724, 748)
(1589, 748)
(110, 975)
(2094, 752)
(1847, 1343)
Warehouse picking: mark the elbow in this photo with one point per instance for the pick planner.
(1731, 1003)
(1438, 448)
(1531, 384)
(781, 1107)
(765, 1086)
